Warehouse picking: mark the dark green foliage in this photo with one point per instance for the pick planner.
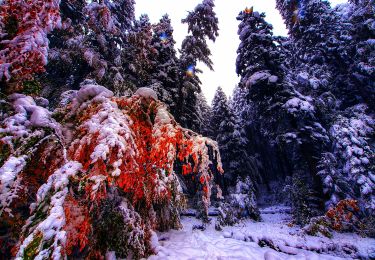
(299, 195)
(31, 87)
(202, 25)
(117, 227)
(319, 226)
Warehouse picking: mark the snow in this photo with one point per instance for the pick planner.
(256, 77)
(25, 106)
(9, 181)
(90, 91)
(50, 228)
(296, 104)
(253, 240)
(146, 93)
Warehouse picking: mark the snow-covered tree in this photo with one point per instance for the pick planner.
(232, 143)
(124, 13)
(206, 113)
(322, 48)
(143, 55)
(280, 120)
(354, 157)
(165, 76)
(362, 73)
(107, 166)
(219, 106)
(202, 25)
(90, 44)
(241, 203)
(23, 39)
(257, 52)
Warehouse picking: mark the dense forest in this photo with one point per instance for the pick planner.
(107, 142)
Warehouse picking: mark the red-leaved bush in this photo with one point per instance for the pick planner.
(113, 178)
(24, 25)
(342, 213)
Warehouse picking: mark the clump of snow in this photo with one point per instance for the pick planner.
(258, 76)
(110, 255)
(42, 102)
(51, 228)
(111, 130)
(26, 123)
(67, 97)
(90, 91)
(25, 105)
(146, 93)
(9, 181)
(154, 241)
(296, 104)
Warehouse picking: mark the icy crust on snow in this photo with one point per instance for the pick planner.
(10, 181)
(258, 240)
(49, 231)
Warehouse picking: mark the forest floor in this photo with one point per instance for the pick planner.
(272, 238)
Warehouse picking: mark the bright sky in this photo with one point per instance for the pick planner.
(224, 49)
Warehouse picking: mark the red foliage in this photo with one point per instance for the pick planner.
(154, 142)
(78, 226)
(343, 212)
(24, 43)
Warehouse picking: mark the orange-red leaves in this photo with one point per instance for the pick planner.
(342, 212)
(78, 226)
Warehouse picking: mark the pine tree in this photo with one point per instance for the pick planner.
(322, 51)
(124, 13)
(219, 107)
(142, 57)
(257, 55)
(281, 120)
(362, 73)
(165, 77)
(232, 143)
(206, 113)
(202, 24)
(91, 44)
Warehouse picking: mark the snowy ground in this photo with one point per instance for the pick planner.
(269, 239)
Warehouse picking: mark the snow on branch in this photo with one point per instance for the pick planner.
(122, 155)
(24, 26)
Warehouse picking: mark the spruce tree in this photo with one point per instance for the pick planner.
(142, 57)
(219, 111)
(91, 44)
(165, 76)
(206, 113)
(362, 73)
(202, 25)
(322, 51)
(232, 143)
(282, 122)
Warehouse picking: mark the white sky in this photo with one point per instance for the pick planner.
(224, 49)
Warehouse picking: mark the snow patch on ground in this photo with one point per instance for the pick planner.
(269, 239)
